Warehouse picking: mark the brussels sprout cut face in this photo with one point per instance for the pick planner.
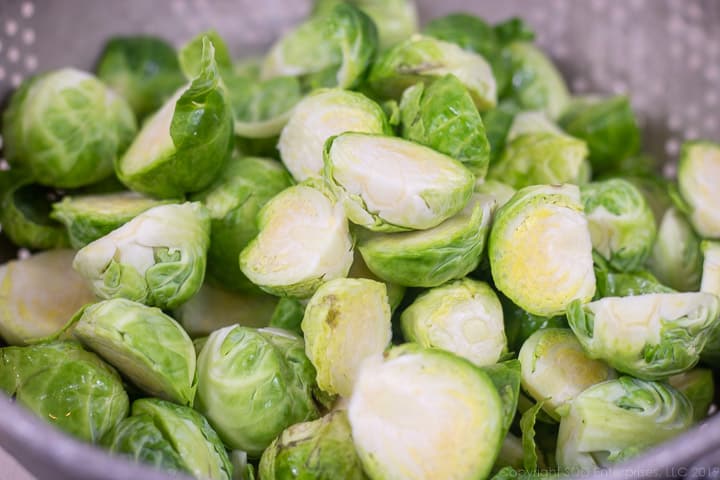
(540, 250)
(38, 295)
(389, 184)
(456, 404)
(319, 117)
(698, 178)
(463, 317)
(648, 336)
(303, 242)
(711, 268)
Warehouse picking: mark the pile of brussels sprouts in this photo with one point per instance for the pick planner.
(376, 252)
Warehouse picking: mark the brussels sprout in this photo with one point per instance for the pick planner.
(25, 213)
(242, 469)
(506, 378)
(288, 315)
(540, 250)
(442, 116)
(252, 384)
(38, 295)
(172, 437)
(463, 317)
(648, 336)
(555, 369)
(317, 118)
(520, 325)
(617, 419)
(698, 386)
(395, 19)
(359, 269)
(610, 284)
(48, 111)
(90, 217)
(303, 242)
(144, 344)
(182, 147)
(321, 450)
(498, 123)
(501, 192)
(326, 51)
(467, 31)
(536, 83)
(423, 59)
(346, 321)
(428, 258)
(711, 267)
(143, 69)
(698, 178)
(534, 121)
(262, 109)
(234, 200)
(455, 403)
(66, 386)
(213, 307)
(608, 126)
(157, 258)
(622, 226)
(388, 184)
(190, 56)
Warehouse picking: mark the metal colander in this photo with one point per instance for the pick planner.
(664, 53)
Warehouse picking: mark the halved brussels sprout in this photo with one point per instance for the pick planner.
(456, 404)
(389, 184)
(317, 118)
(182, 147)
(325, 51)
(244, 186)
(699, 387)
(252, 384)
(89, 217)
(711, 267)
(536, 83)
(346, 321)
(611, 284)
(540, 250)
(359, 269)
(442, 116)
(463, 317)
(424, 59)
(50, 108)
(428, 258)
(39, 295)
(157, 258)
(501, 192)
(555, 369)
(66, 386)
(172, 437)
(144, 344)
(622, 226)
(143, 69)
(648, 336)
(213, 307)
(607, 125)
(322, 450)
(698, 178)
(303, 242)
(618, 419)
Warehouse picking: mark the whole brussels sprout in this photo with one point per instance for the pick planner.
(253, 384)
(320, 116)
(158, 258)
(172, 437)
(234, 200)
(38, 295)
(540, 250)
(618, 419)
(303, 242)
(143, 69)
(456, 404)
(463, 317)
(555, 369)
(698, 178)
(424, 59)
(428, 258)
(622, 226)
(144, 344)
(388, 184)
(648, 336)
(339, 314)
(49, 109)
(442, 116)
(66, 386)
(183, 146)
(699, 387)
(322, 450)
